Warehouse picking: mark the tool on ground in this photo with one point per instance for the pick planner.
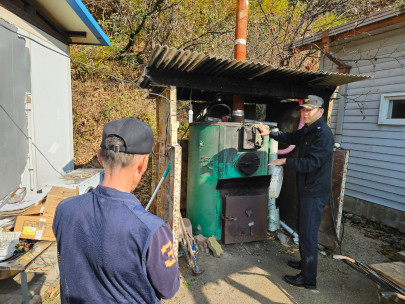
(372, 275)
(193, 262)
(158, 186)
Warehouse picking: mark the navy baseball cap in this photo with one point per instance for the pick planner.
(312, 102)
(137, 136)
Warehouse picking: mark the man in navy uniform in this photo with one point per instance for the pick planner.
(110, 249)
(313, 167)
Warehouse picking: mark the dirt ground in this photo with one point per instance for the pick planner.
(253, 273)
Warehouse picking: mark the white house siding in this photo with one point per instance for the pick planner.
(51, 113)
(377, 152)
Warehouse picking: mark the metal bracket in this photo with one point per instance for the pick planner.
(229, 218)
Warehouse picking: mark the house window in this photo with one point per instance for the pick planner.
(392, 109)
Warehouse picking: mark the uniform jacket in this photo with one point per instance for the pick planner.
(314, 162)
(112, 251)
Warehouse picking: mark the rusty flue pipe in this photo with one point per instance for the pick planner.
(240, 44)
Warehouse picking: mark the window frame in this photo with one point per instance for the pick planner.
(385, 106)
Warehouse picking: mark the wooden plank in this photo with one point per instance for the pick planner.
(174, 195)
(173, 116)
(25, 260)
(395, 272)
(401, 254)
(160, 163)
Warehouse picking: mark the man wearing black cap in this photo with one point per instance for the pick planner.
(313, 167)
(110, 249)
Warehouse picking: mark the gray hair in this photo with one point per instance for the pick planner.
(116, 161)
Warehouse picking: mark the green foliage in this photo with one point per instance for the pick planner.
(376, 225)
(136, 26)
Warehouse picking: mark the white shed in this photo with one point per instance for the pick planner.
(368, 117)
(36, 129)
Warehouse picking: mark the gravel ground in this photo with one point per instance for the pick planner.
(253, 273)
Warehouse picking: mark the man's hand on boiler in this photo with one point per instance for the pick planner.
(263, 130)
(278, 162)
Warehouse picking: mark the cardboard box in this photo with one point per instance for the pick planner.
(36, 209)
(35, 227)
(55, 196)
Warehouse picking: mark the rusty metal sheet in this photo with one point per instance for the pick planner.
(326, 234)
(244, 219)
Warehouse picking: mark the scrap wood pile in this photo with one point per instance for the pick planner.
(27, 218)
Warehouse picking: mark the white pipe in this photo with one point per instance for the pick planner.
(290, 231)
(274, 213)
(190, 114)
(272, 124)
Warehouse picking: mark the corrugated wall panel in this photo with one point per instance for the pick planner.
(374, 141)
(377, 160)
(375, 149)
(376, 178)
(375, 185)
(373, 127)
(397, 159)
(375, 134)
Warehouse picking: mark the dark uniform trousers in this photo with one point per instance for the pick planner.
(309, 220)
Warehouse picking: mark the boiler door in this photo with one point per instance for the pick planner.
(248, 163)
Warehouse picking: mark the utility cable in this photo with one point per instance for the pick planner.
(91, 67)
(85, 64)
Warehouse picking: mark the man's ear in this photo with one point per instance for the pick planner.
(321, 111)
(99, 157)
(143, 163)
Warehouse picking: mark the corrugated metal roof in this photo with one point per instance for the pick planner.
(172, 59)
(353, 24)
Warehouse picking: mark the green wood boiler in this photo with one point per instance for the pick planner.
(221, 150)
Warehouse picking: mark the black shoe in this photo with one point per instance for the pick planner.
(299, 281)
(295, 265)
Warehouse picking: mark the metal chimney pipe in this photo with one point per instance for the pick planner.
(241, 29)
(240, 43)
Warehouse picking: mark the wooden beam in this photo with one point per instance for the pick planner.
(326, 41)
(234, 86)
(354, 32)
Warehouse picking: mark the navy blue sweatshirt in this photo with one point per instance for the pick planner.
(112, 251)
(314, 162)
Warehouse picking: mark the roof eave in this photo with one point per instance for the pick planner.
(84, 14)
